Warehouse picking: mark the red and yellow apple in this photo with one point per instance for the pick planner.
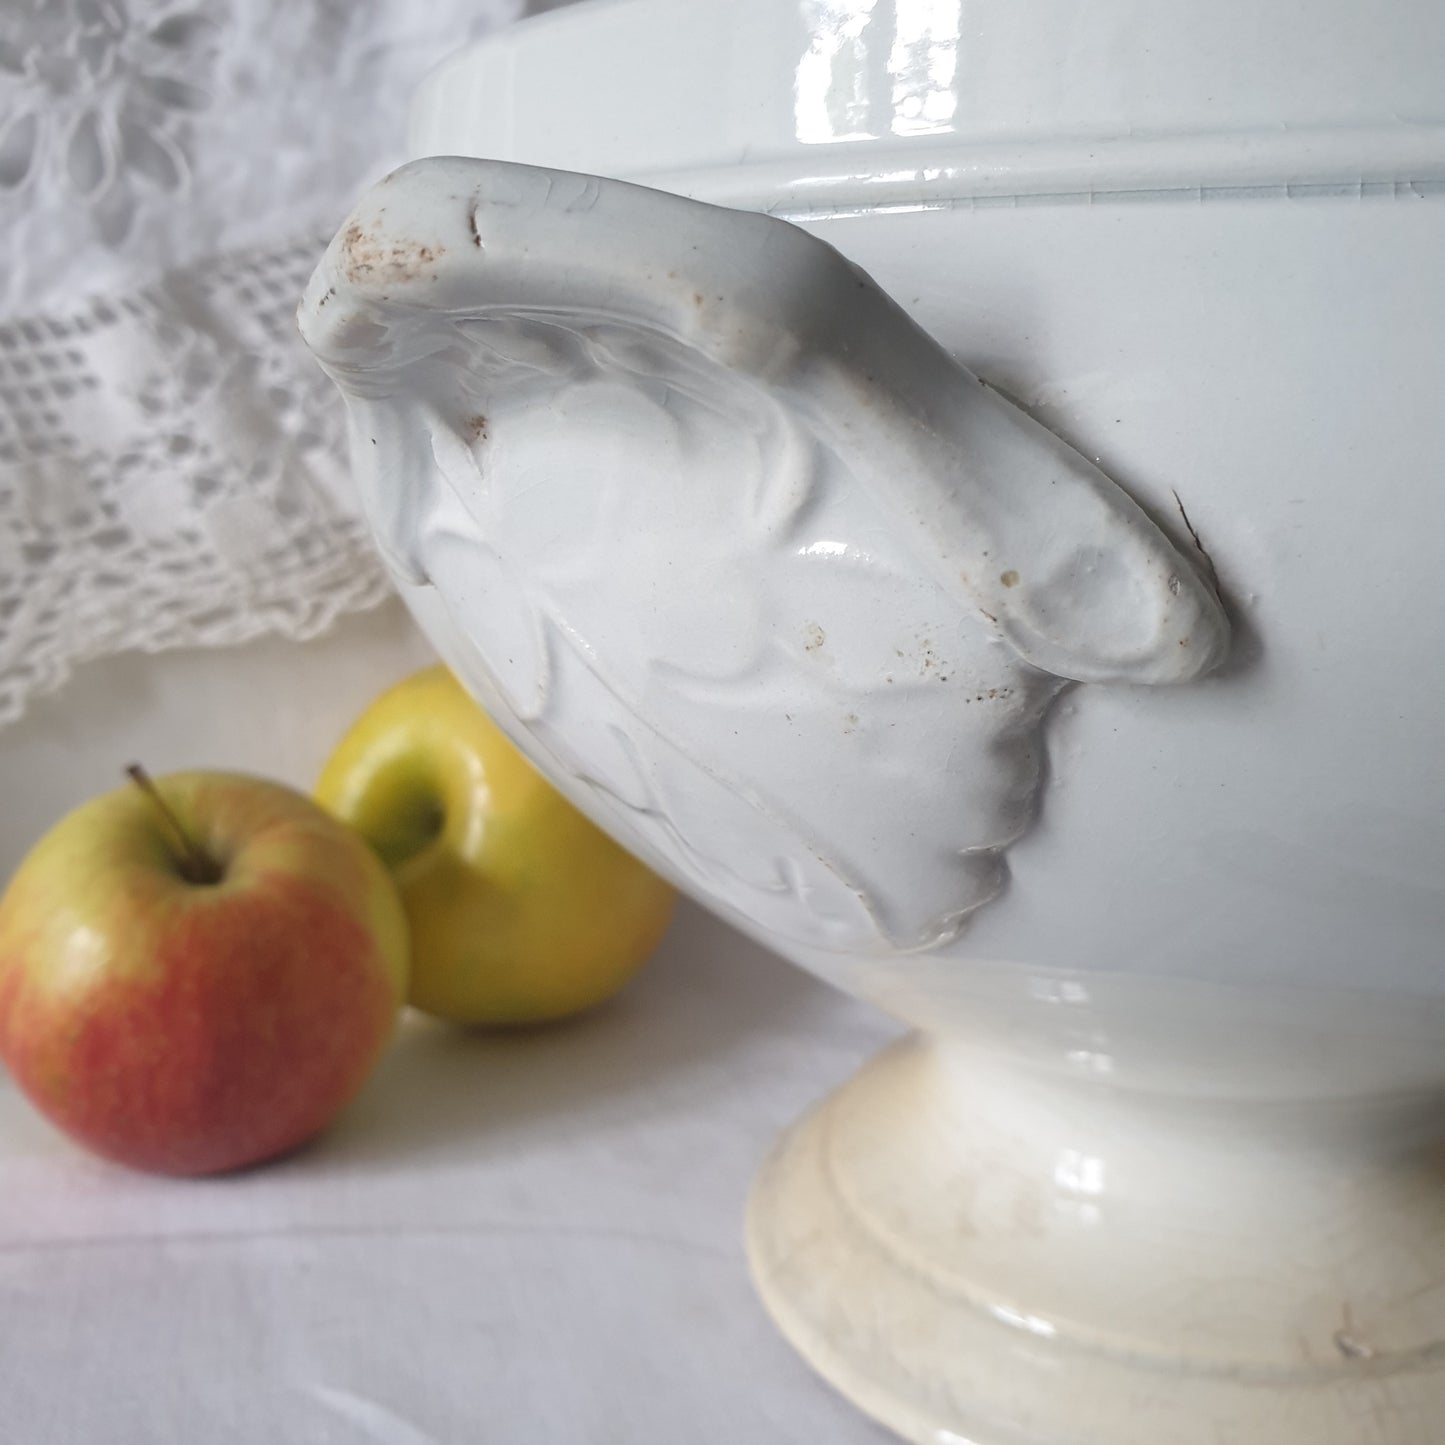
(197, 974)
(521, 909)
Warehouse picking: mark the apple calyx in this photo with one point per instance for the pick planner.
(193, 863)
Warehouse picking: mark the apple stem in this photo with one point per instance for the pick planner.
(196, 865)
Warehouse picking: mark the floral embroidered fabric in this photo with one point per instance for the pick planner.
(172, 464)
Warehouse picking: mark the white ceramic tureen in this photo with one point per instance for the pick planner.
(958, 486)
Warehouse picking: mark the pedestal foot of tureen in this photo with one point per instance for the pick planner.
(978, 1254)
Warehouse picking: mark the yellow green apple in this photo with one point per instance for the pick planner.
(197, 973)
(521, 909)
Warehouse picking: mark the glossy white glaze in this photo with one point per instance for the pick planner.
(851, 106)
(1169, 1168)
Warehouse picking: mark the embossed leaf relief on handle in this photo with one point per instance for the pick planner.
(745, 560)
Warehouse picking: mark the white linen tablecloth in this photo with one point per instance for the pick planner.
(507, 1239)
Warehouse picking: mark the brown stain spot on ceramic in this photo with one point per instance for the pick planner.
(816, 637)
(370, 261)
(476, 428)
(1009, 578)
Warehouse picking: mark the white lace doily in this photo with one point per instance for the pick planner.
(172, 464)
